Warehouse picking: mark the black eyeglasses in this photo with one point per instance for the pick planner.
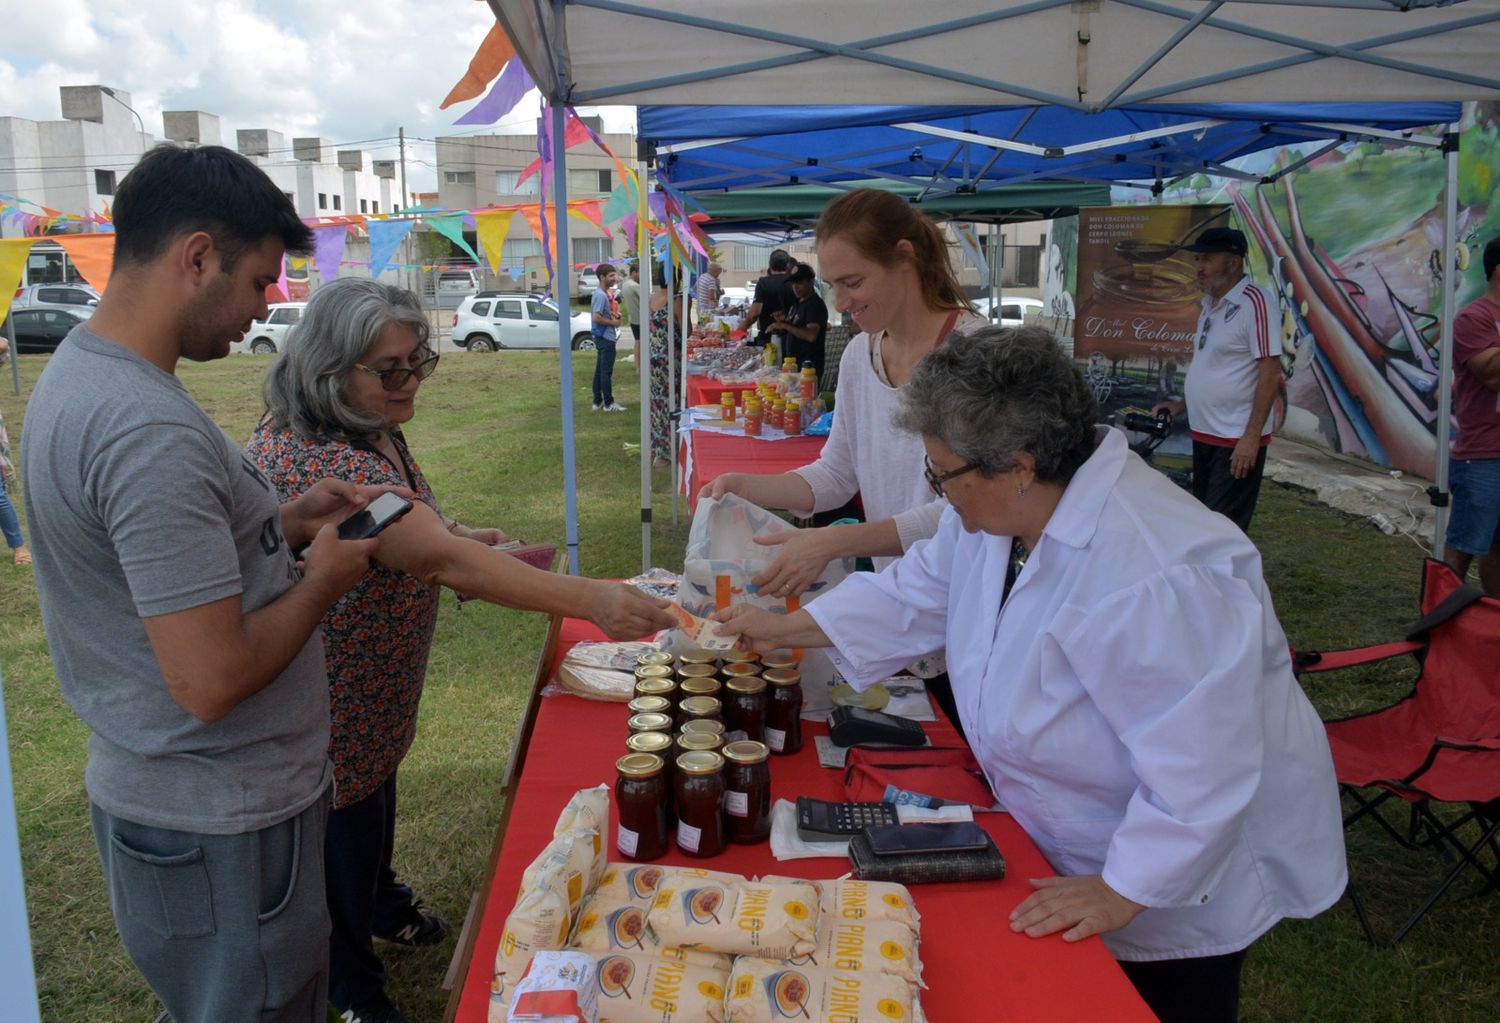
(936, 481)
(395, 379)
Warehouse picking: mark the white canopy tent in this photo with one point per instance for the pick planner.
(1083, 55)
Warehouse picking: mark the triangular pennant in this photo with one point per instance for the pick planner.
(92, 254)
(328, 250)
(492, 229)
(451, 226)
(486, 63)
(12, 263)
(513, 83)
(385, 237)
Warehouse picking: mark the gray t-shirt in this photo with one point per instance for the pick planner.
(630, 297)
(140, 505)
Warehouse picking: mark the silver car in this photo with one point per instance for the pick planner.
(268, 336)
(77, 298)
(514, 319)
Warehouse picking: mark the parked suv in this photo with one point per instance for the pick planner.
(80, 298)
(268, 336)
(514, 319)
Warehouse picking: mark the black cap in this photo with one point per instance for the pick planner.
(1219, 239)
(802, 272)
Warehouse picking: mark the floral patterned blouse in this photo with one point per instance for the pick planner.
(376, 638)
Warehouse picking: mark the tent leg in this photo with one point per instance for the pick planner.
(643, 361)
(560, 290)
(1439, 492)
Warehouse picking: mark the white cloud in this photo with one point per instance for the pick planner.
(346, 72)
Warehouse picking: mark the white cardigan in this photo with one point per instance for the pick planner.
(1132, 704)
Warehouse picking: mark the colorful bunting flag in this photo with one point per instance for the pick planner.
(92, 254)
(451, 226)
(492, 230)
(486, 63)
(513, 83)
(328, 250)
(385, 237)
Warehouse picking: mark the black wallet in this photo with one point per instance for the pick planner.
(850, 725)
(926, 868)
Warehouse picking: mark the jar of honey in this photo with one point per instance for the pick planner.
(695, 707)
(739, 657)
(745, 708)
(747, 792)
(740, 669)
(664, 688)
(688, 671)
(655, 657)
(697, 657)
(701, 686)
(650, 723)
(641, 795)
(649, 705)
(783, 710)
(699, 792)
(662, 745)
(706, 725)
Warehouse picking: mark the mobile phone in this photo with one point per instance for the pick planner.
(368, 521)
(819, 820)
(903, 839)
(850, 725)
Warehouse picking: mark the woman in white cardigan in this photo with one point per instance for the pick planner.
(1117, 665)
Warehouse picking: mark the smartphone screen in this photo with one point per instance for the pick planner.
(375, 516)
(922, 838)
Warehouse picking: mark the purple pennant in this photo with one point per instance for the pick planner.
(328, 249)
(544, 150)
(513, 83)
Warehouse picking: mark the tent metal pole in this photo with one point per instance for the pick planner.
(1439, 491)
(643, 343)
(989, 237)
(683, 401)
(561, 291)
(670, 278)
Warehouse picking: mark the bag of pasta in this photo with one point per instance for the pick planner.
(606, 924)
(639, 988)
(572, 853)
(539, 922)
(876, 946)
(773, 921)
(761, 991)
(638, 882)
(589, 810)
(868, 900)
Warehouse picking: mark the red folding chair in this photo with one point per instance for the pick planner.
(1440, 744)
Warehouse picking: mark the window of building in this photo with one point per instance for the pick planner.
(520, 248)
(104, 182)
(755, 258)
(374, 205)
(588, 250)
(590, 181)
(290, 197)
(458, 177)
(322, 200)
(505, 183)
(338, 202)
(364, 206)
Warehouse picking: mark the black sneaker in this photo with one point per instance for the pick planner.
(377, 1010)
(418, 928)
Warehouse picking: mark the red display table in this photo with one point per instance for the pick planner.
(703, 390)
(974, 965)
(703, 455)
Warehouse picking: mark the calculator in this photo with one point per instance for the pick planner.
(821, 821)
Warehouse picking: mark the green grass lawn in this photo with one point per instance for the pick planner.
(487, 435)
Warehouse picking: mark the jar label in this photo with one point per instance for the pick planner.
(736, 804)
(627, 841)
(775, 739)
(688, 837)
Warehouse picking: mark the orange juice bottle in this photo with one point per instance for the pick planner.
(752, 417)
(809, 383)
(791, 422)
(726, 406)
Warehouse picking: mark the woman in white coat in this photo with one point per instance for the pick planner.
(1118, 668)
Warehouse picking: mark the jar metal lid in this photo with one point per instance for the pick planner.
(746, 751)
(649, 723)
(646, 671)
(699, 686)
(782, 677)
(654, 686)
(700, 762)
(748, 684)
(649, 742)
(688, 671)
(698, 657)
(738, 656)
(649, 705)
(698, 707)
(699, 740)
(708, 725)
(640, 765)
(778, 659)
(742, 669)
(655, 657)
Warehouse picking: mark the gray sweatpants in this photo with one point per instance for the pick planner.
(225, 928)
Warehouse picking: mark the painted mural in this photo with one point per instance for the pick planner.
(1350, 245)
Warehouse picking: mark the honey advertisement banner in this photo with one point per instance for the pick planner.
(1138, 297)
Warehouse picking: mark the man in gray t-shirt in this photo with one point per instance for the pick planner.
(181, 629)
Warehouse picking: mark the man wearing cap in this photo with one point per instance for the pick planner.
(773, 294)
(804, 327)
(1232, 380)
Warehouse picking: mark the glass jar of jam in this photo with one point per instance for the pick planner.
(661, 744)
(641, 795)
(707, 742)
(739, 669)
(699, 687)
(663, 687)
(697, 707)
(703, 725)
(699, 793)
(652, 671)
(747, 792)
(745, 708)
(739, 657)
(707, 657)
(650, 723)
(777, 659)
(655, 657)
(687, 671)
(783, 710)
(649, 705)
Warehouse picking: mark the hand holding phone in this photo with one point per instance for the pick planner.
(368, 522)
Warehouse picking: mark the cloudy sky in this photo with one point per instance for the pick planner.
(345, 70)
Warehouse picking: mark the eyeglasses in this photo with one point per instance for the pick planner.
(395, 379)
(936, 481)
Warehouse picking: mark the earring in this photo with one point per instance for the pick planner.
(1020, 491)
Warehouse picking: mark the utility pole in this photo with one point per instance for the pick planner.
(405, 242)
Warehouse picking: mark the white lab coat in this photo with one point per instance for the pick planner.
(1132, 704)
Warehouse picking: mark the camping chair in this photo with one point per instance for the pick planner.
(1440, 744)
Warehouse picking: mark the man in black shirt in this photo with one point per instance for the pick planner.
(773, 294)
(804, 327)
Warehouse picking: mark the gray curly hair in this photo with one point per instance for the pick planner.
(999, 391)
(307, 388)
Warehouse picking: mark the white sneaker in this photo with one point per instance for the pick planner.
(615, 407)
(598, 408)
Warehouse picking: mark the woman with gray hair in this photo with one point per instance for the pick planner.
(335, 404)
(1118, 667)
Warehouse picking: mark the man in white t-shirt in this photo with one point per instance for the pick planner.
(1233, 379)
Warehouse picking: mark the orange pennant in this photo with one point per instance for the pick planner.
(487, 62)
(92, 254)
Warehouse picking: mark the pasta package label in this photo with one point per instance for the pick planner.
(539, 922)
(773, 921)
(575, 851)
(765, 992)
(638, 988)
(881, 946)
(618, 925)
(639, 882)
(868, 900)
(588, 810)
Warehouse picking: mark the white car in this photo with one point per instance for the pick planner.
(514, 319)
(1014, 312)
(588, 280)
(268, 336)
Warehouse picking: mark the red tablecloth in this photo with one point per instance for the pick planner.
(974, 965)
(702, 390)
(705, 455)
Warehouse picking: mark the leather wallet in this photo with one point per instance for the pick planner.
(926, 868)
